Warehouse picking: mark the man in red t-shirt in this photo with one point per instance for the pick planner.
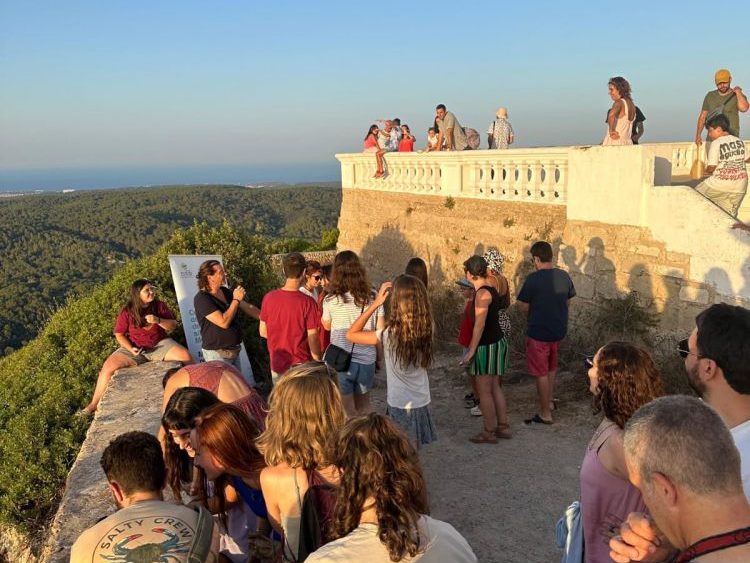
(289, 320)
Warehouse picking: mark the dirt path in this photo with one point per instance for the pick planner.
(505, 498)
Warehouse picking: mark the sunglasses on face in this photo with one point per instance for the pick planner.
(317, 278)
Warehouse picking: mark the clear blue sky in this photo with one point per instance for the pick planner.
(115, 83)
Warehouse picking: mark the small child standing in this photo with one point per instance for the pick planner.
(432, 140)
(407, 345)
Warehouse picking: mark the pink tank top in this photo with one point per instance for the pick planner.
(206, 375)
(606, 500)
(371, 141)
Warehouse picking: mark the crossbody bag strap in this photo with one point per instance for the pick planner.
(360, 314)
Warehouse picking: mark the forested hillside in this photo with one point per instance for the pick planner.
(55, 245)
(43, 384)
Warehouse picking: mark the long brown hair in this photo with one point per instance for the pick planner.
(627, 380)
(410, 323)
(305, 410)
(378, 462)
(229, 434)
(135, 306)
(350, 276)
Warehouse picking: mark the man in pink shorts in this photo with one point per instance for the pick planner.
(545, 297)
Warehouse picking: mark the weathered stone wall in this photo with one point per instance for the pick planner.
(132, 401)
(605, 260)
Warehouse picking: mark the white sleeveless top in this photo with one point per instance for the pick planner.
(624, 126)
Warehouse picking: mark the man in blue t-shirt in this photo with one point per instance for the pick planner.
(545, 297)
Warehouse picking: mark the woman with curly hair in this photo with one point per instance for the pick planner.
(349, 294)
(622, 378)
(407, 344)
(381, 509)
(141, 331)
(621, 115)
(305, 411)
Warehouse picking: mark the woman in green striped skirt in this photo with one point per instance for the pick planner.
(487, 355)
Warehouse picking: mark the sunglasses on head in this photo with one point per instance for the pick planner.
(588, 361)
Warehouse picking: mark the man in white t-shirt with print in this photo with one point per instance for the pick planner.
(727, 183)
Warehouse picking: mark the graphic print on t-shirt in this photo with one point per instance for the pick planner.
(727, 153)
(152, 538)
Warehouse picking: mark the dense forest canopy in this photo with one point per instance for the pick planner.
(56, 245)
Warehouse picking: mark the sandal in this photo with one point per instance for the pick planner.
(503, 431)
(536, 419)
(378, 175)
(486, 437)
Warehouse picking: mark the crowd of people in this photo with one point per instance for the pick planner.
(726, 181)
(314, 475)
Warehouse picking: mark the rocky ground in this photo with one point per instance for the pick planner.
(505, 498)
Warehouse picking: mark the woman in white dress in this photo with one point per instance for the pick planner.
(621, 114)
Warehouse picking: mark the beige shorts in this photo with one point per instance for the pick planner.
(155, 354)
(728, 201)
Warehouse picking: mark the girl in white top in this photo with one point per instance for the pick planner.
(407, 345)
(621, 115)
(382, 496)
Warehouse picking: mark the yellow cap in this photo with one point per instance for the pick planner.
(722, 75)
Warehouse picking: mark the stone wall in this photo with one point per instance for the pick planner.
(132, 401)
(605, 260)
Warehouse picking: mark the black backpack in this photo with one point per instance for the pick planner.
(316, 516)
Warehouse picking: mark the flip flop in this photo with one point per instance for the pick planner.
(484, 438)
(536, 419)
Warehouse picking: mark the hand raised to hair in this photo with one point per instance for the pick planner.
(385, 289)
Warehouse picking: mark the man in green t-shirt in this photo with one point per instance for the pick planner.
(725, 99)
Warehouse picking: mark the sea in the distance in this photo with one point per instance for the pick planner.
(58, 179)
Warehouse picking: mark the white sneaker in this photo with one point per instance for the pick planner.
(475, 411)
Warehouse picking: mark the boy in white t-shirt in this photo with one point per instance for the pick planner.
(727, 183)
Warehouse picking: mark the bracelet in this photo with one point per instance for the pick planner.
(235, 299)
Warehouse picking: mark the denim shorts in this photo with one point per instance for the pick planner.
(358, 379)
(213, 356)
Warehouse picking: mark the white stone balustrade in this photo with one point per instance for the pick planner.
(524, 175)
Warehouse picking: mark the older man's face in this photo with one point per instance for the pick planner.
(388, 126)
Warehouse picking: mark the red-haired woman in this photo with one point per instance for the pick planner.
(381, 508)
(141, 331)
(223, 442)
(622, 378)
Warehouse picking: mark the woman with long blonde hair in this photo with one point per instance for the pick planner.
(407, 345)
(305, 411)
(381, 512)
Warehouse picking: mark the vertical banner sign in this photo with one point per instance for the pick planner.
(184, 271)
